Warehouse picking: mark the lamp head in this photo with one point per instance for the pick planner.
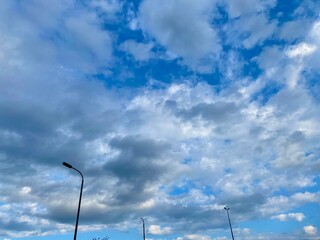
(226, 208)
(67, 165)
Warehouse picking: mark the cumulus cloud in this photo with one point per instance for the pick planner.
(249, 24)
(310, 230)
(77, 38)
(157, 230)
(194, 237)
(278, 203)
(176, 152)
(313, 39)
(252, 29)
(183, 27)
(290, 216)
(301, 50)
(143, 164)
(293, 30)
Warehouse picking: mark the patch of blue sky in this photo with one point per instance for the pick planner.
(157, 67)
(186, 161)
(182, 189)
(189, 185)
(124, 33)
(268, 225)
(207, 190)
(284, 10)
(220, 16)
(283, 192)
(315, 187)
(129, 72)
(228, 170)
(135, 4)
(312, 211)
(251, 69)
(215, 78)
(271, 89)
(313, 83)
(58, 176)
(139, 74)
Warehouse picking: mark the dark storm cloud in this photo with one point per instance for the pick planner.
(45, 130)
(138, 163)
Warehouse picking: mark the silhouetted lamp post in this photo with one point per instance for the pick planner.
(78, 213)
(143, 229)
(227, 209)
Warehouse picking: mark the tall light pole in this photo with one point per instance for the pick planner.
(143, 229)
(78, 213)
(227, 209)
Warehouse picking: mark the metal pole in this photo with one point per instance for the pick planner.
(226, 208)
(78, 213)
(143, 229)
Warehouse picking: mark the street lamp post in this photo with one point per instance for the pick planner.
(227, 209)
(78, 213)
(143, 229)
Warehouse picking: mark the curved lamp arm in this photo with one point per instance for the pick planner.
(78, 213)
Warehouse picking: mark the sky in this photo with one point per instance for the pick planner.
(171, 109)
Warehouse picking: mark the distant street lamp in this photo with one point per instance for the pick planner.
(143, 229)
(78, 213)
(227, 209)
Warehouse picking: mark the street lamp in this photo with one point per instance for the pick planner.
(78, 213)
(227, 209)
(143, 229)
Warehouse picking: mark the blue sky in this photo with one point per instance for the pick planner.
(172, 110)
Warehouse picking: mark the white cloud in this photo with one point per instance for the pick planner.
(249, 30)
(291, 156)
(315, 31)
(194, 237)
(270, 59)
(310, 230)
(293, 30)
(290, 216)
(183, 27)
(259, 29)
(25, 190)
(213, 144)
(313, 39)
(301, 50)
(306, 197)
(157, 230)
(87, 34)
(77, 38)
(281, 203)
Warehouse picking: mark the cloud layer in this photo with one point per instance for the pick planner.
(171, 109)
